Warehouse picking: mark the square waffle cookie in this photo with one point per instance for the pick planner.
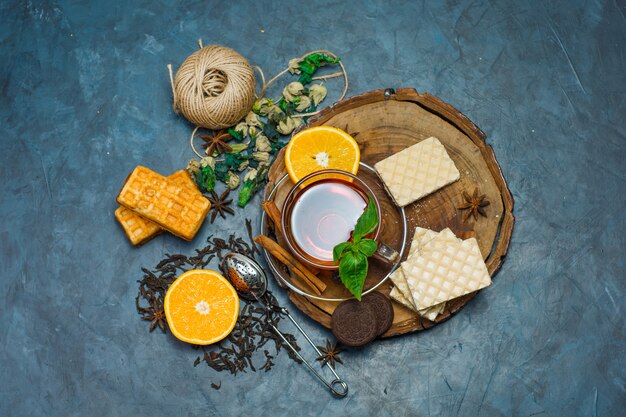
(420, 238)
(417, 171)
(155, 197)
(430, 313)
(138, 229)
(447, 268)
(398, 296)
(401, 291)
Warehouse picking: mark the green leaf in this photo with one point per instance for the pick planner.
(231, 162)
(237, 148)
(238, 136)
(282, 104)
(367, 221)
(270, 132)
(352, 271)
(305, 78)
(198, 179)
(290, 110)
(251, 186)
(367, 247)
(246, 192)
(339, 250)
(308, 67)
(206, 178)
(320, 59)
(311, 63)
(221, 171)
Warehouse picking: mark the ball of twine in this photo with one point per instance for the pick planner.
(214, 88)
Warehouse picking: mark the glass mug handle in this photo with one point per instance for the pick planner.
(386, 253)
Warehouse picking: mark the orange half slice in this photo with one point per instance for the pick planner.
(201, 307)
(318, 148)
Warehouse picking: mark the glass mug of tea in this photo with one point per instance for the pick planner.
(321, 210)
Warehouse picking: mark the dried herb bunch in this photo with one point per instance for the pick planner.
(243, 154)
(253, 329)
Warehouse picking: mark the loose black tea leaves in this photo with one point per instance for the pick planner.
(253, 329)
(252, 332)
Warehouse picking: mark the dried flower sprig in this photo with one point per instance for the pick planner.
(263, 132)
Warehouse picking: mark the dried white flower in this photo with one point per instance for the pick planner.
(250, 175)
(293, 66)
(263, 144)
(288, 125)
(208, 161)
(262, 106)
(292, 90)
(241, 128)
(275, 114)
(304, 104)
(193, 167)
(261, 156)
(232, 181)
(252, 119)
(243, 165)
(317, 93)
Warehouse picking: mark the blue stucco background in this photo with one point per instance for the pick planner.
(85, 97)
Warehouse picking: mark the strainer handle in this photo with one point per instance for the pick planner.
(338, 382)
(284, 311)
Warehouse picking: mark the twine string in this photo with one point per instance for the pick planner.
(214, 87)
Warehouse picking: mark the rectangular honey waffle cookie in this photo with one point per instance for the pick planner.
(176, 209)
(417, 171)
(138, 229)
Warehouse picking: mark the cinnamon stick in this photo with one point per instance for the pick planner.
(273, 213)
(286, 258)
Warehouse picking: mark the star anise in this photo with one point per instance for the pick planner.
(330, 354)
(474, 204)
(219, 205)
(156, 316)
(216, 142)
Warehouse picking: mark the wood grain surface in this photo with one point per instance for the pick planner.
(384, 122)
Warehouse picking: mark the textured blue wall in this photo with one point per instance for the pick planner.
(85, 97)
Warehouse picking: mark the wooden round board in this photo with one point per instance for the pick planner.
(384, 122)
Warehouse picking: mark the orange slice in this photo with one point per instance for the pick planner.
(201, 307)
(321, 147)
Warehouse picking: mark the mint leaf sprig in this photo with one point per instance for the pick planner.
(351, 256)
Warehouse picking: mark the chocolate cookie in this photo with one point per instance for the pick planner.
(382, 308)
(354, 323)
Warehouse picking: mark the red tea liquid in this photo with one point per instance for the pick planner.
(323, 216)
